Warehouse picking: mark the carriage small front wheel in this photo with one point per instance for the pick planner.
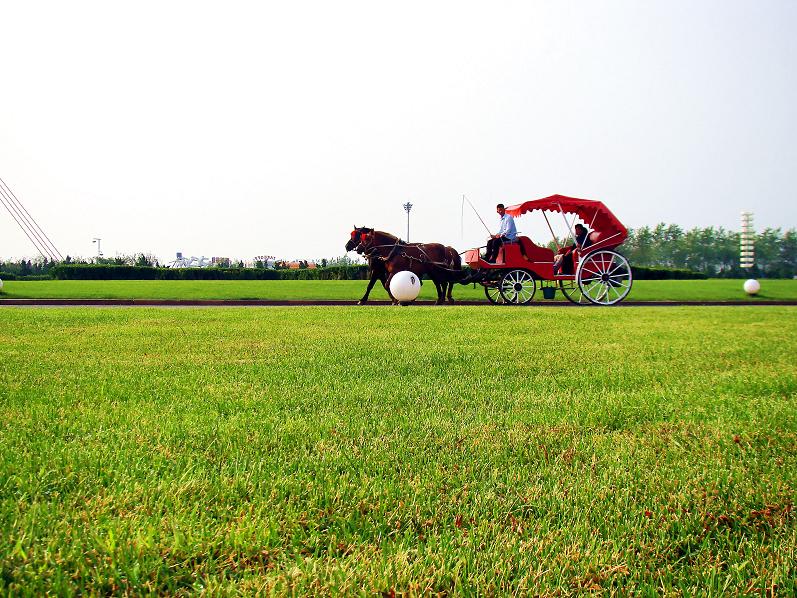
(493, 293)
(517, 287)
(604, 277)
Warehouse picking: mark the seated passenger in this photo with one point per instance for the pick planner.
(563, 261)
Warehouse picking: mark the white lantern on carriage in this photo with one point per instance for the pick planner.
(405, 286)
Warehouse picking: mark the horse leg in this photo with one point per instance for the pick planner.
(385, 284)
(371, 283)
(448, 293)
(441, 291)
(388, 278)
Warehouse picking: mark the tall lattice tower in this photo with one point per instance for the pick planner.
(747, 241)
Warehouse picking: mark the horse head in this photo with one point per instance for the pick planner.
(359, 238)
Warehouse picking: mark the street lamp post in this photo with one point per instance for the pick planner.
(99, 251)
(407, 208)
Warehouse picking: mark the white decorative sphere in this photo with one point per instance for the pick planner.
(752, 286)
(1, 284)
(405, 286)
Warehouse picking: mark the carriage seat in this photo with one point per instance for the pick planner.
(597, 236)
(532, 251)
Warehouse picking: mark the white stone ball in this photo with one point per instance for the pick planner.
(405, 286)
(1, 284)
(752, 286)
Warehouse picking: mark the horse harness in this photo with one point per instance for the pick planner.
(424, 259)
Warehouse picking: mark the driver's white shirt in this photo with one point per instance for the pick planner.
(507, 229)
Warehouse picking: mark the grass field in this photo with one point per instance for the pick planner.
(643, 290)
(367, 450)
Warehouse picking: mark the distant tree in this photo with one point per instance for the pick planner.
(640, 247)
(767, 251)
(788, 254)
(144, 259)
(343, 261)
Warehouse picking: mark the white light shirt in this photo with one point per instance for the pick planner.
(507, 229)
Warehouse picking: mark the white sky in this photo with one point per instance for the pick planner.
(241, 129)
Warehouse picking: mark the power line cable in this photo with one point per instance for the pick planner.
(23, 222)
(51, 244)
(24, 230)
(28, 220)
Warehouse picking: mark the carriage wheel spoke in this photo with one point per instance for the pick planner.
(617, 267)
(584, 267)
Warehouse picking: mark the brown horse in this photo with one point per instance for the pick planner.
(376, 266)
(387, 254)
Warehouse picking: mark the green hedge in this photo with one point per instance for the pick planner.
(112, 272)
(12, 276)
(355, 272)
(643, 273)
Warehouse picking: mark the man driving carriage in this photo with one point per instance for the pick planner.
(507, 232)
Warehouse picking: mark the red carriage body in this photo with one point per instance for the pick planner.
(593, 273)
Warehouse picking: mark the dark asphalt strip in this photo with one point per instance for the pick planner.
(267, 303)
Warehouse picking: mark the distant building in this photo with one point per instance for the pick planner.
(268, 261)
(188, 262)
(295, 265)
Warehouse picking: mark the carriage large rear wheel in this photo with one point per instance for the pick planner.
(604, 277)
(572, 292)
(517, 287)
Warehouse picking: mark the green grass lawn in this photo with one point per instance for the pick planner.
(643, 290)
(366, 450)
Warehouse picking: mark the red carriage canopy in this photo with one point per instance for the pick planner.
(595, 214)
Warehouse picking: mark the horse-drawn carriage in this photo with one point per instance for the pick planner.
(587, 271)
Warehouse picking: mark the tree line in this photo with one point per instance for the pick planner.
(710, 251)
